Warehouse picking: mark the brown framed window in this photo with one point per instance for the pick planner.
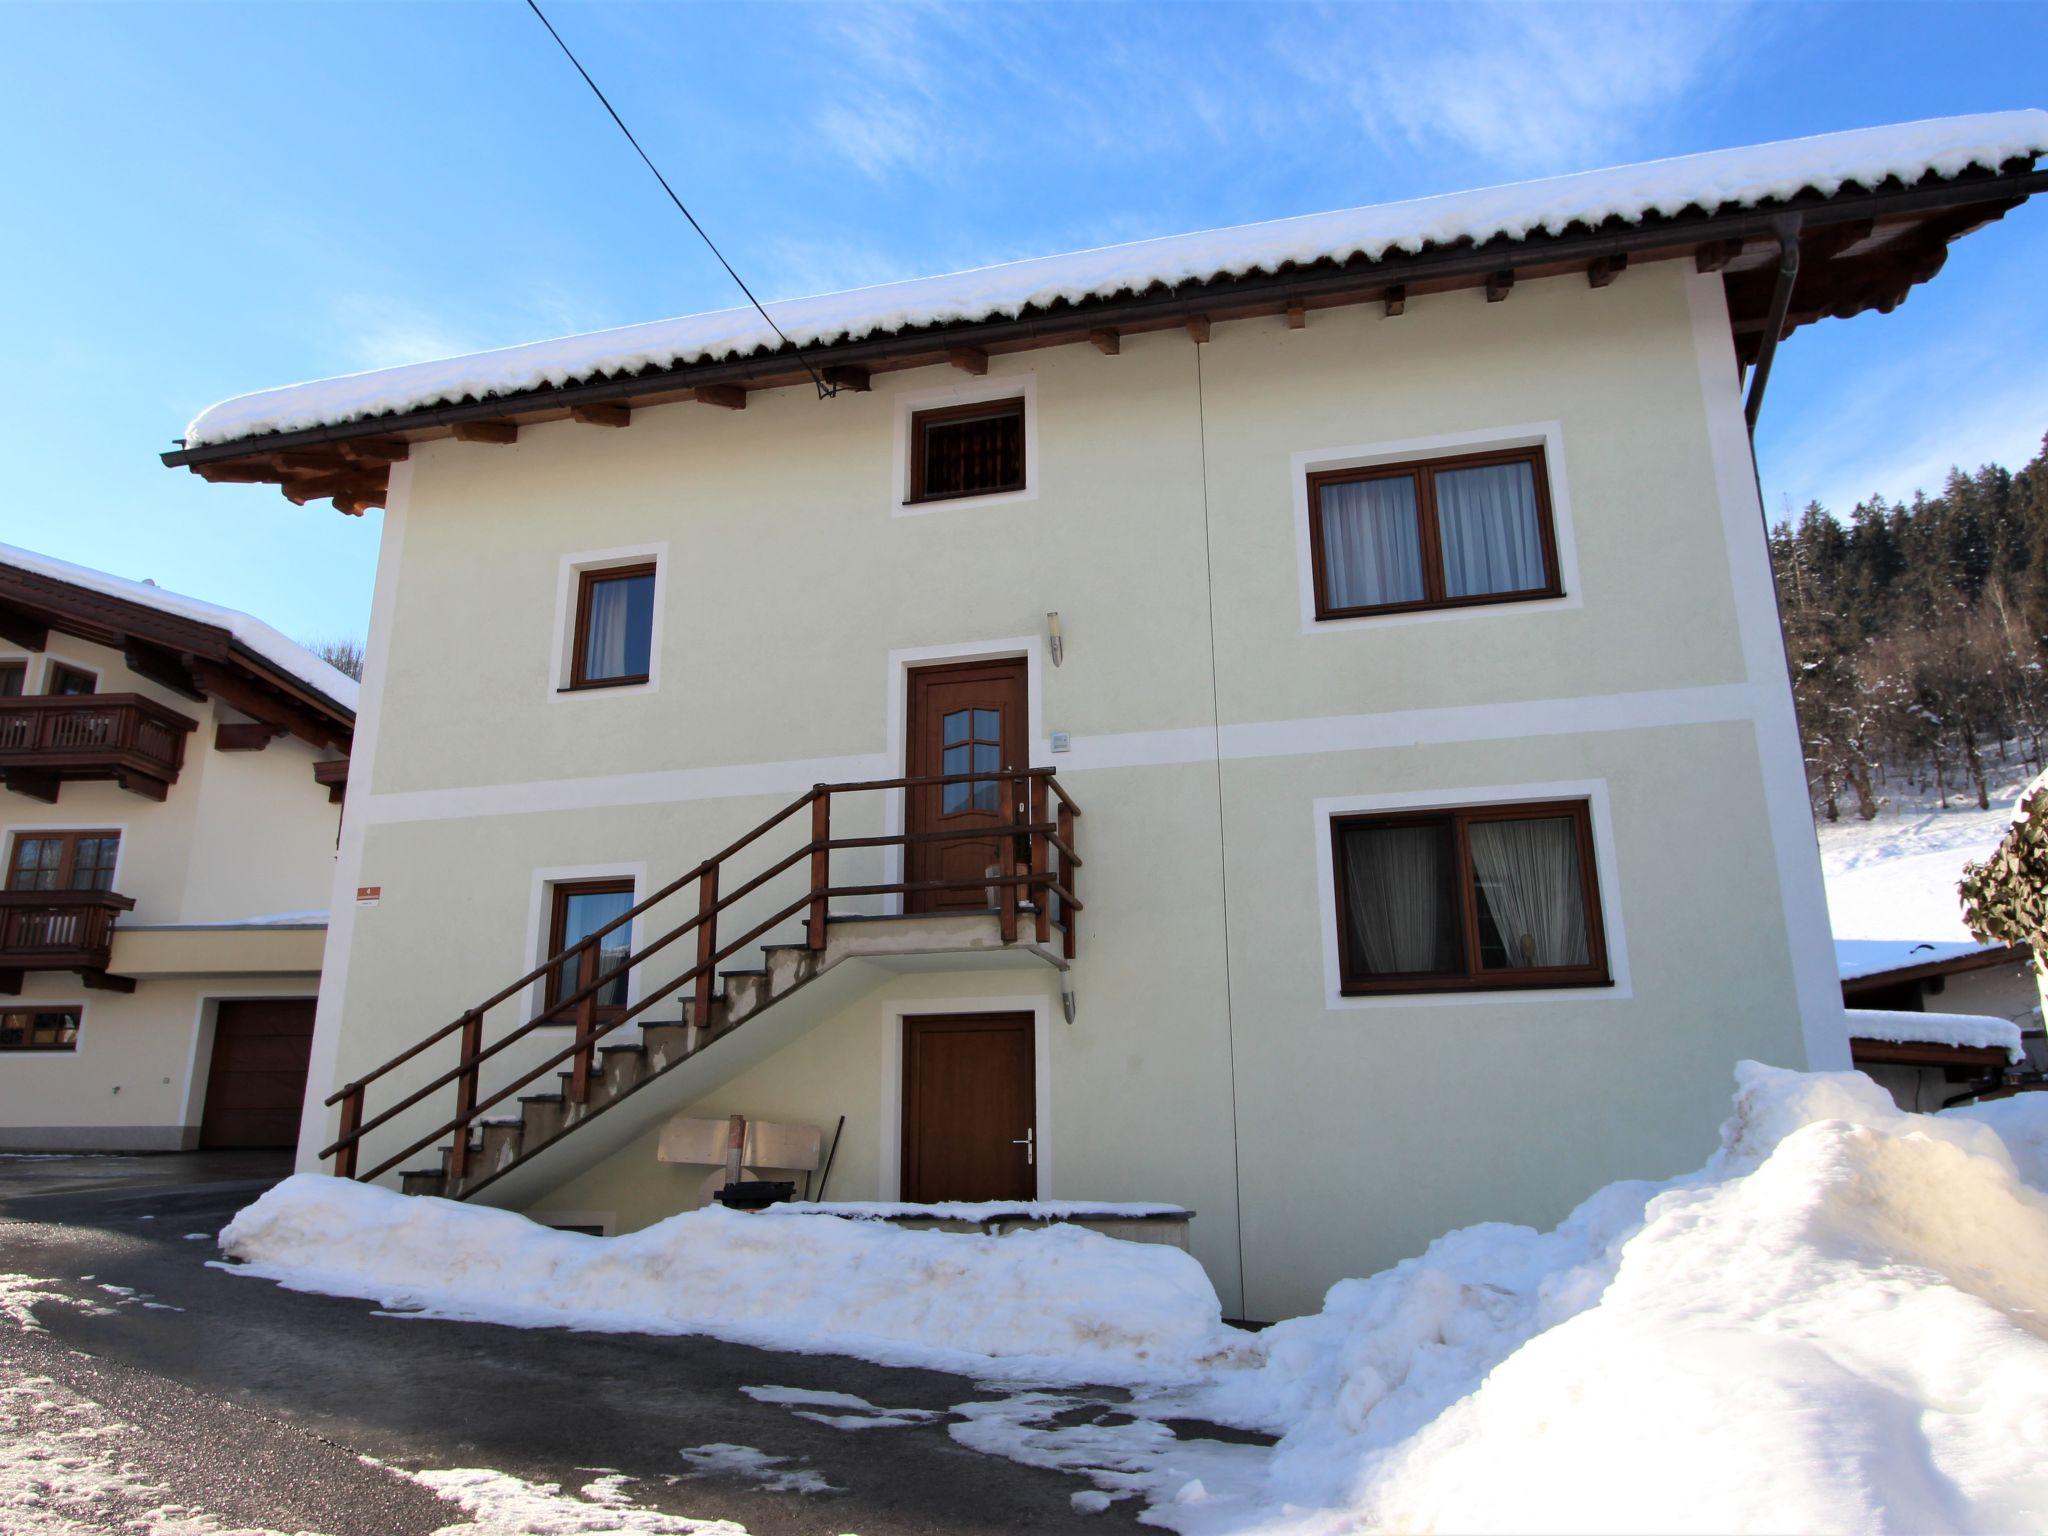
(1438, 533)
(967, 450)
(1477, 898)
(13, 679)
(579, 909)
(614, 641)
(69, 680)
(39, 1029)
(63, 861)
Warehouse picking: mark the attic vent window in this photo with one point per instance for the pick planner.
(967, 450)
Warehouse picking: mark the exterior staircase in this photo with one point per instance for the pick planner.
(1031, 916)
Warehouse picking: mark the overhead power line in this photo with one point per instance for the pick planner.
(824, 390)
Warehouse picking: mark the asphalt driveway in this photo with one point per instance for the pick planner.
(258, 1405)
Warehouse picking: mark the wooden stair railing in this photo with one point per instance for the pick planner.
(1043, 871)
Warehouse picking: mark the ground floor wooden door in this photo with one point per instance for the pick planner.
(962, 719)
(969, 1107)
(256, 1082)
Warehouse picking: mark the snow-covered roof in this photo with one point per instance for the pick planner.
(1858, 959)
(1976, 1030)
(1721, 179)
(251, 633)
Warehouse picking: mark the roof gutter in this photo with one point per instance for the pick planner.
(1786, 227)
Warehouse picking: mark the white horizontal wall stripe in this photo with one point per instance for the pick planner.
(1128, 749)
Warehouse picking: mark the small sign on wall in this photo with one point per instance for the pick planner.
(369, 895)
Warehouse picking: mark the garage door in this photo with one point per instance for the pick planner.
(258, 1077)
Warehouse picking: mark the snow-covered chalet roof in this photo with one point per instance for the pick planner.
(1730, 179)
(1969, 1030)
(254, 636)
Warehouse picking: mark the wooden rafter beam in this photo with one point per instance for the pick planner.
(1198, 327)
(1396, 299)
(311, 460)
(349, 482)
(1603, 270)
(968, 359)
(356, 506)
(846, 376)
(1297, 314)
(1106, 341)
(500, 432)
(23, 629)
(1716, 254)
(163, 667)
(730, 396)
(267, 708)
(602, 415)
(1498, 284)
(233, 736)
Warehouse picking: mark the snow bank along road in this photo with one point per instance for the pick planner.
(1836, 1324)
(163, 1395)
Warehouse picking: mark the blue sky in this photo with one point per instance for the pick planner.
(210, 199)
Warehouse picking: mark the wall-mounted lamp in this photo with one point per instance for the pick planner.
(1067, 990)
(1057, 643)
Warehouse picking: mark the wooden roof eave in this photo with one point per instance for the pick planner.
(186, 656)
(1746, 242)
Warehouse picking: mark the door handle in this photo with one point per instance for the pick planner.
(1028, 1141)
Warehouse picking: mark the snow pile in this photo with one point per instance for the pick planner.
(1730, 178)
(1894, 878)
(1838, 1324)
(1062, 1301)
(1904, 1027)
(251, 633)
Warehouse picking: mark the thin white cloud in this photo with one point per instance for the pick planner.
(1526, 87)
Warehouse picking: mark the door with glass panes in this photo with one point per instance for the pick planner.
(963, 719)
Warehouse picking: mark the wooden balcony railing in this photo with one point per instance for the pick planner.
(1042, 875)
(135, 741)
(60, 931)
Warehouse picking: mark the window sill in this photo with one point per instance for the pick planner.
(1473, 985)
(608, 685)
(909, 508)
(1448, 605)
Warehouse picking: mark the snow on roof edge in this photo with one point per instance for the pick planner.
(249, 631)
(1971, 1030)
(1712, 180)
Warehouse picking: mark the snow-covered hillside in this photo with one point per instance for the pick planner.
(1895, 877)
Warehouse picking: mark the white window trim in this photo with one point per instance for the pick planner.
(46, 1005)
(568, 580)
(1547, 435)
(897, 712)
(966, 392)
(1606, 875)
(895, 1009)
(540, 915)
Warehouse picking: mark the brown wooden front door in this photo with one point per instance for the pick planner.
(962, 719)
(257, 1081)
(969, 1108)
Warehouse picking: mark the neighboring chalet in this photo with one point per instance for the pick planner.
(1289, 722)
(1940, 1021)
(168, 823)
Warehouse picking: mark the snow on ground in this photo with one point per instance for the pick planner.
(1838, 1323)
(1127, 1311)
(1895, 877)
(777, 1474)
(854, 1412)
(1965, 1029)
(1729, 178)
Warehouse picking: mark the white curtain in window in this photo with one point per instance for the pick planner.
(605, 653)
(1394, 880)
(1528, 874)
(1372, 544)
(1492, 541)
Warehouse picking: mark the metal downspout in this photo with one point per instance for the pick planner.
(1787, 228)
